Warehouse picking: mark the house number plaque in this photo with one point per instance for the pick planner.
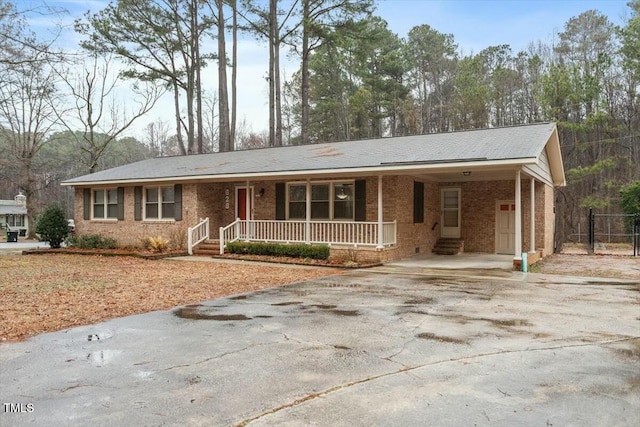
(227, 198)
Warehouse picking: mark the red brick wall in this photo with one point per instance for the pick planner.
(478, 203)
(129, 232)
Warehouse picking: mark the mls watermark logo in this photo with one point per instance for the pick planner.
(17, 408)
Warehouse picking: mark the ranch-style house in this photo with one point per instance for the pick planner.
(488, 190)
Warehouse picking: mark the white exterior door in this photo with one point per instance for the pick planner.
(506, 227)
(450, 218)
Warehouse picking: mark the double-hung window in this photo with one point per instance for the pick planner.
(15, 220)
(159, 203)
(105, 204)
(329, 201)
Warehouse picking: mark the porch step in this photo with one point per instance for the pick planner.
(207, 248)
(448, 246)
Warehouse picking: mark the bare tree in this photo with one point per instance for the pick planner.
(160, 41)
(210, 121)
(157, 137)
(101, 117)
(28, 104)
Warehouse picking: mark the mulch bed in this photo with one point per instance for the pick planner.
(297, 261)
(141, 253)
(136, 253)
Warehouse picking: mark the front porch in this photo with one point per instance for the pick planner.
(332, 233)
(372, 234)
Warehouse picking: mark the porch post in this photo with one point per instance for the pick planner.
(532, 238)
(247, 203)
(307, 224)
(247, 198)
(518, 231)
(380, 230)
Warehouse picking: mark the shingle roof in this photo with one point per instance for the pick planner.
(12, 210)
(484, 145)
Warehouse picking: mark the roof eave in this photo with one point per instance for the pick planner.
(370, 170)
(555, 159)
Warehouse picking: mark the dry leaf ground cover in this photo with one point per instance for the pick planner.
(52, 292)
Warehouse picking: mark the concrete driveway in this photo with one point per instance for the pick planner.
(375, 347)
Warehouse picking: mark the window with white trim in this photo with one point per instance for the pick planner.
(16, 220)
(159, 202)
(329, 201)
(105, 203)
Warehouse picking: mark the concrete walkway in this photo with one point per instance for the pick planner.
(20, 245)
(463, 260)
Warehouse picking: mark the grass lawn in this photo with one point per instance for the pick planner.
(42, 293)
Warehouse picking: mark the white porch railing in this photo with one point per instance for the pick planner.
(319, 232)
(197, 234)
(230, 233)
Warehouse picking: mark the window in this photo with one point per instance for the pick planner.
(105, 203)
(159, 203)
(320, 201)
(328, 201)
(343, 201)
(16, 220)
(297, 203)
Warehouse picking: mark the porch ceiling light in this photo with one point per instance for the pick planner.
(466, 173)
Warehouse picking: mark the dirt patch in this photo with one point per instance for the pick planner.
(620, 267)
(52, 292)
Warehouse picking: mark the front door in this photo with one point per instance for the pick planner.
(241, 210)
(450, 220)
(241, 203)
(506, 227)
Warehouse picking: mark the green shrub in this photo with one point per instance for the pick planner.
(52, 226)
(92, 241)
(277, 249)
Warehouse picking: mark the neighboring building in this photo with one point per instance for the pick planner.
(390, 197)
(13, 215)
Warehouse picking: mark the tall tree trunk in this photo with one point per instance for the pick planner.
(304, 125)
(176, 105)
(223, 101)
(191, 140)
(30, 193)
(276, 76)
(196, 54)
(273, 26)
(234, 74)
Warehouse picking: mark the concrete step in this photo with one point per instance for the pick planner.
(207, 248)
(448, 246)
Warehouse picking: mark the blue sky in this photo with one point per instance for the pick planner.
(475, 24)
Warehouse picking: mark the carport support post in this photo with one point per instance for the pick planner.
(532, 226)
(518, 231)
(380, 230)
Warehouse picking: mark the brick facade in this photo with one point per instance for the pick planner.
(217, 201)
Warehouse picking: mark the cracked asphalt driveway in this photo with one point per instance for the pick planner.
(367, 348)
